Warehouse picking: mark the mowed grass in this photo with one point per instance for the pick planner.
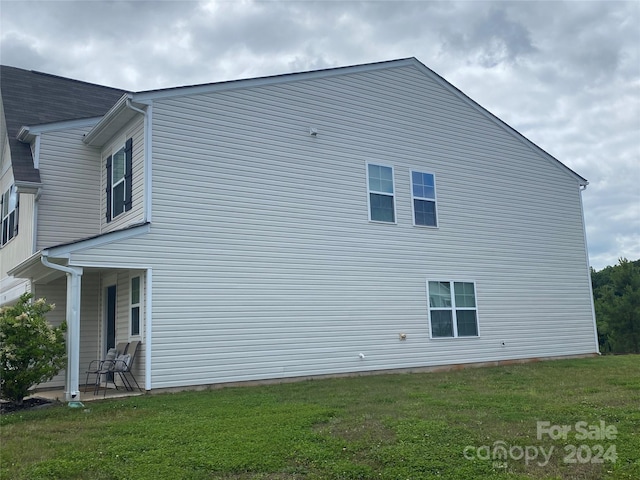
(397, 426)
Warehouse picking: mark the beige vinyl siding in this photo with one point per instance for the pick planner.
(121, 279)
(90, 322)
(134, 130)
(123, 326)
(56, 292)
(69, 207)
(267, 266)
(21, 246)
(5, 154)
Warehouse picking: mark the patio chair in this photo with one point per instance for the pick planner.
(121, 366)
(95, 366)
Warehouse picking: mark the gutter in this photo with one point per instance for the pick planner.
(107, 119)
(74, 282)
(147, 156)
(147, 219)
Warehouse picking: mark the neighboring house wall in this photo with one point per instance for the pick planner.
(21, 246)
(134, 130)
(265, 264)
(69, 207)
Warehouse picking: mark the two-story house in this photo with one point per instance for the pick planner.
(354, 219)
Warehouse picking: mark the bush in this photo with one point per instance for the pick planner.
(31, 350)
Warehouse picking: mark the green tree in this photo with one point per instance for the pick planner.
(31, 350)
(616, 292)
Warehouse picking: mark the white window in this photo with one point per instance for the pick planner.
(119, 181)
(135, 306)
(452, 309)
(9, 208)
(381, 193)
(423, 198)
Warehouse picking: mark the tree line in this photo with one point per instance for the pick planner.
(616, 296)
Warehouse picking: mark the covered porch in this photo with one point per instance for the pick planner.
(103, 306)
(58, 394)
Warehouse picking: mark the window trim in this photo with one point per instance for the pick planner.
(126, 180)
(453, 309)
(392, 195)
(137, 305)
(434, 200)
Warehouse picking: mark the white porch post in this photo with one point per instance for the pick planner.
(74, 283)
(72, 383)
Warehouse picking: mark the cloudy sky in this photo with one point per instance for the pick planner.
(565, 74)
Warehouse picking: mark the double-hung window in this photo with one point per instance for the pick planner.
(9, 208)
(452, 309)
(423, 196)
(120, 180)
(135, 306)
(381, 193)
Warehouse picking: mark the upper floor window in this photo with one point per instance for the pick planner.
(120, 181)
(423, 196)
(452, 309)
(9, 208)
(381, 193)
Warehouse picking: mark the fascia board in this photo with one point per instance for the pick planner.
(25, 265)
(28, 132)
(28, 187)
(64, 251)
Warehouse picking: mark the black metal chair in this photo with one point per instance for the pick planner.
(96, 366)
(120, 366)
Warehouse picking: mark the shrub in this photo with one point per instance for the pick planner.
(32, 351)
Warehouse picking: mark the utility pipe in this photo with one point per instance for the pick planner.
(147, 157)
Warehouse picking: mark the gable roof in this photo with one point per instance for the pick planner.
(34, 98)
(120, 114)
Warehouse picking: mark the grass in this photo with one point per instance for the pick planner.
(404, 426)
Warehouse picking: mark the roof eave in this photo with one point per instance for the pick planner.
(28, 187)
(583, 182)
(205, 88)
(25, 135)
(112, 121)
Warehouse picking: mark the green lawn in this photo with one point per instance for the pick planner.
(408, 426)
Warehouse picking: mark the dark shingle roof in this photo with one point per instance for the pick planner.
(33, 98)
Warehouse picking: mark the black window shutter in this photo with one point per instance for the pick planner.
(128, 177)
(109, 180)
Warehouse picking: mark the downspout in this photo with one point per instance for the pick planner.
(74, 282)
(147, 218)
(586, 250)
(147, 157)
(36, 202)
(148, 332)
